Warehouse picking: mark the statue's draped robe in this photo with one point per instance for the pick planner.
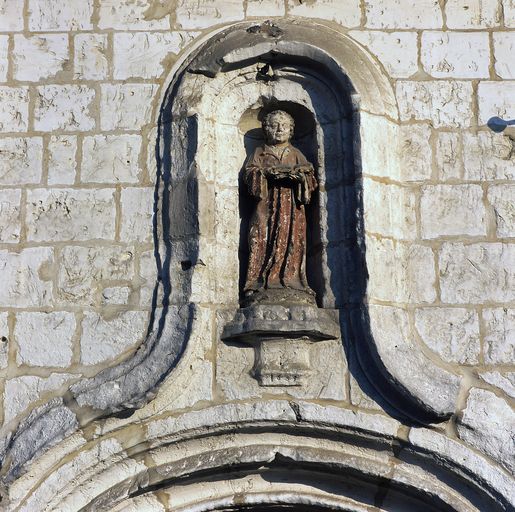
(277, 234)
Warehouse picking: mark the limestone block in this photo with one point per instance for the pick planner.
(84, 271)
(415, 152)
(137, 210)
(191, 14)
(10, 220)
(62, 164)
(397, 51)
(470, 14)
(410, 276)
(477, 273)
(126, 106)
(146, 54)
(14, 109)
(505, 382)
(450, 210)
(111, 159)
(130, 15)
(90, 57)
(4, 340)
(44, 339)
(265, 8)
(104, 339)
(64, 214)
(488, 424)
(444, 103)
(449, 156)
(496, 99)
(147, 503)
(147, 278)
(456, 54)
(504, 49)
(403, 14)
(509, 13)
(499, 335)
(389, 210)
(117, 295)
(26, 278)
(64, 107)
(488, 156)
(51, 15)
(502, 199)
(10, 19)
(20, 392)
(21, 160)
(332, 10)
(4, 48)
(453, 333)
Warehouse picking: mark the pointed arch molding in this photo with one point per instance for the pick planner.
(413, 384)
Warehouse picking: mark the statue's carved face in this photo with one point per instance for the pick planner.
(278, 128)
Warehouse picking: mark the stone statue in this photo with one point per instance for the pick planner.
(279, 176)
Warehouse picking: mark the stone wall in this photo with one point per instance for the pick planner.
(81, 85)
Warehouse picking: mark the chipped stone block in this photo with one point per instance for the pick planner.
(26, 277)
(502, 199)
(90, 57)
(10, 18)
(44, 339)
(348, 15)
(130, 15)
(110, 159)
(4, 340)
(415, 152)
(470, 14)
(62, 164)
(267, 7)
(14, 109)
(4, 49)
(64, 107)
(84, 271)
(10, 221)
(450, 210)
(104, 339)
(397, 51)
(488, 156)
(403, 14)
(477, 273)
(126, 106)
(51, 15)
(449, 156)
(39, 57)
(443, 103)
(453, 333)
(499, 335)
(456, 54)
(505, 382)
(495, 99)
(146, 54)
(137, 210)
(21, 160)
(191, 14)
(504, 49)
(117, 295)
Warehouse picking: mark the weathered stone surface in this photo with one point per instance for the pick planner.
(4, 48)
(21, 160)
(4, 340)
(456, 54)
(50, 15)
(472, 14)
(270, 7)
(64, 107)
(117, 295)
(447, 210)
(10, 19)
(477, 272)
(26, 277)
(509, 13)
(90, 57)
(62, 163)
(10, 220)
(449, 156)
(452, 333)
(504, 48)
(403, 14)
(14, 109)
(64, 214)
(137, 210)
(104, 339)
(39, 57)
(44, 339)
(397, 51)
(505, 382)
(192, 15)
(502, 199)
(444, 103)
(147, 277)
(415, 152)
(130, 15)
(488, 424)
(84, 271)
(111, 159)
(332, 10)
(499, 335)
(496, 99)
(126, 106)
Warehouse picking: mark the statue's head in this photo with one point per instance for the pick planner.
(278, 127)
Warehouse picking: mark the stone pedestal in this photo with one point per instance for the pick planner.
(282, 337)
